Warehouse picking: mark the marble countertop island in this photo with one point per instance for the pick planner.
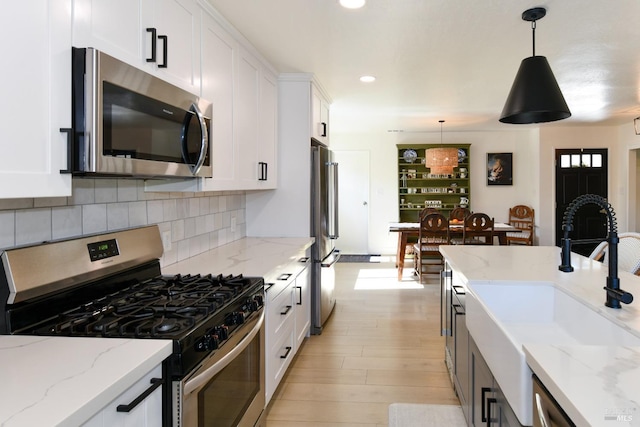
(597, 385)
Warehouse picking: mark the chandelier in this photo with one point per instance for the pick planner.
(441, 160)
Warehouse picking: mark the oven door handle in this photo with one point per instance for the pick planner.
(205, 376)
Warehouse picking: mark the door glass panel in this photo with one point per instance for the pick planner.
(597, 160)
(223, 401)
(586, 160)
(575, 160)
(565, 161)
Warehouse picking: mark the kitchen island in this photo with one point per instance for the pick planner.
(595, 383)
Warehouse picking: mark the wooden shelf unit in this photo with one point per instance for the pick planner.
(418, 188)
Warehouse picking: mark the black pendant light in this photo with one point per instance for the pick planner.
(535, 96)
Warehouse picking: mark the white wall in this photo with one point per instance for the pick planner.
(534, 171)
(494, 200)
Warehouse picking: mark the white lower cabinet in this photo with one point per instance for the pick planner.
(288, 318)
(147, 413)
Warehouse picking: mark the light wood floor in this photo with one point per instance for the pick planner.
(381, 345)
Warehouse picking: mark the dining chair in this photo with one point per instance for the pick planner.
(426, 211)
(628, 252)
(477, 230)
(459, 214)
(433, 232)
(521, 217)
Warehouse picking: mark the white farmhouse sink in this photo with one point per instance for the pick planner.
(502, 317)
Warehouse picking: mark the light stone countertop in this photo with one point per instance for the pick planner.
(591, 383)
(251, 256)
(64, 381)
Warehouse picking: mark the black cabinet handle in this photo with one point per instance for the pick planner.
(490, 401)
(69, 133)
(263, 171)
(286, 310)
(284, 276)
(324, 129)
(459, 290)
(286, 354)
(299, 288)
(304, 259)
(153, 32)
(268, 286)
(484, 390)
(165, 48)
(155, 383)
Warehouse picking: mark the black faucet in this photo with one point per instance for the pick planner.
(615, 295)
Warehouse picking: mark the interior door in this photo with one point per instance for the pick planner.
(578, 172)
(353, 193)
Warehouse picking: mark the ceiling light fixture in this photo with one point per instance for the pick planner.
(441, 160)
(367, 79)
(535, 96)
(352, 4)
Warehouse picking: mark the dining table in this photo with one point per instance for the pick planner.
(407, 230)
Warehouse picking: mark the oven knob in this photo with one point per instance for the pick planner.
(222, 332)
(234, 318)
(253, 305)
(207, 343)
(259, 300)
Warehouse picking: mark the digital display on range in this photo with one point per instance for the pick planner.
(101, 250)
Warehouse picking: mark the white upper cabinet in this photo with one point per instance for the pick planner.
(319, 116)
(159, 36)
(219, 51)
(268, 131)
(36, 98)
(244, 94)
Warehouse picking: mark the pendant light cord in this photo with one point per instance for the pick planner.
(533, 31)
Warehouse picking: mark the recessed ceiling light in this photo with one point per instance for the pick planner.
(352, 4)
(367, 79)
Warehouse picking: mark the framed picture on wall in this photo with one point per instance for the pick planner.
(499, 168)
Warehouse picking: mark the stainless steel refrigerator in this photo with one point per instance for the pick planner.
(324, 227)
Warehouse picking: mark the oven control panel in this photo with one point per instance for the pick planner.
(102, 250)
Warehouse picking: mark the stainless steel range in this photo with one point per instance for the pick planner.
(111, 286)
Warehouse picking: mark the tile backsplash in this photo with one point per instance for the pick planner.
(192, 222)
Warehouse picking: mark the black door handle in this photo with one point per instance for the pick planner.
(165, 48)
(153, 32)
(69, 133)
(155, 383)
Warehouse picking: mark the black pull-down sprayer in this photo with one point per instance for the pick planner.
(615, 295)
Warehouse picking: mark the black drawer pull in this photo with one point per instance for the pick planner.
(155, 383)
(284, 276)
(286, 354)
(286, 310)
(485, 390)
(490, 401)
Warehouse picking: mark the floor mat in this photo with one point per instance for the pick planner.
(359, 258)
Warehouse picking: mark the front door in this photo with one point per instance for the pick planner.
(578, 172)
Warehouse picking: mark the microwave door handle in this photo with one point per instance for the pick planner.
(204, 142)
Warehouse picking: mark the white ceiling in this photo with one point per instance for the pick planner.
(449, 59)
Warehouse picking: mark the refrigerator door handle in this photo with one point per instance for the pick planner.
(332, 220)
(331, 259)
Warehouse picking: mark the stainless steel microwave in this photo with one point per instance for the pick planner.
(127, 122)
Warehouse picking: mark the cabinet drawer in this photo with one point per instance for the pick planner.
(147, 414)
(280, 310)
(279, 356)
